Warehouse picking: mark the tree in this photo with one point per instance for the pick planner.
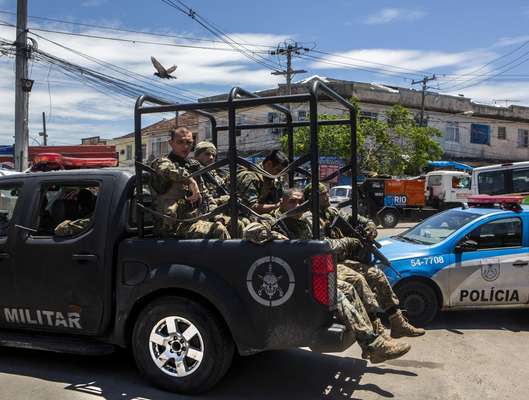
(393, 146)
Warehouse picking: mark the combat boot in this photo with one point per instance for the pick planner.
(379, 329)
(400, 327)
(381, 350)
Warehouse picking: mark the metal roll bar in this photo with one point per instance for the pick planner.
(232, 104)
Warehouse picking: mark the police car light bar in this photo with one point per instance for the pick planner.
(506, 202)
(74, 162)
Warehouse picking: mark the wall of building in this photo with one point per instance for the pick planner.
(462, 121)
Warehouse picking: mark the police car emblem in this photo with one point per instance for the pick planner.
(490, 271)
(270, 281)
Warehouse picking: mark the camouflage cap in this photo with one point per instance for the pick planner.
(205, 146)
(308, 188)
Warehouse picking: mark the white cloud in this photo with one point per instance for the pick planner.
(387, 15)
(486, 92)
(401, 58)
(79, 111)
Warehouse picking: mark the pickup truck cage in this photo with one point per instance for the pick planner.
(239, 98)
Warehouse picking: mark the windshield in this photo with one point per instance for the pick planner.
(339, 192)
(437, 228)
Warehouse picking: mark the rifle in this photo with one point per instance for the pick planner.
(370, 245)
(209, 178)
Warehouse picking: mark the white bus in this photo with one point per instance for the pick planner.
(511, 178)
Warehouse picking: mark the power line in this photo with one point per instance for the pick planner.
(186, 10)
(136, 41)
(157, 34)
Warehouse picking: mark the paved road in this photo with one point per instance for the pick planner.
(465, 355)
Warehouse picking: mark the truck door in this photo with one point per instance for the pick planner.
(9, 214)
(59, 263)
(497, 272)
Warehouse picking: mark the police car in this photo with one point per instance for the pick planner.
(472, 257)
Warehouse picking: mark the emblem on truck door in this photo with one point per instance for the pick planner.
(270, 281)
(490, 269)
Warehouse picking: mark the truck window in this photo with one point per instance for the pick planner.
(505, 232)
(520, 180)
(435, 180)
(66, 210)
(461, 182)
(493, 182)
(8, 201)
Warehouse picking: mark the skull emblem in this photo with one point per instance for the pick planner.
(270, 284)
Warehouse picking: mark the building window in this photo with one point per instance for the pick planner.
(452, 131)
(502, 133)
(128, 152)
(368, 115)
(480, 134)
(302, 115)
(207, 132)
(274, 118)
(523, 138)
(144, 151)
(156, 148)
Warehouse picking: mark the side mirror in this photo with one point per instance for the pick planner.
(466, 245)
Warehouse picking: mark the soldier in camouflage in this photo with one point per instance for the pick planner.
(84, 211)
(205, 154)
(258, 192)
(351, 311)
(177, 195)
(376, 278)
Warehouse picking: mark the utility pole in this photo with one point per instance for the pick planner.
(424, 82)
(287, 49)
(22, 84)
(44, 134)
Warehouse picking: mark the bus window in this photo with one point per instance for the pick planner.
(492, 182)
(520, 180)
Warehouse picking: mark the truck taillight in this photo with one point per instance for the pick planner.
(324, 279)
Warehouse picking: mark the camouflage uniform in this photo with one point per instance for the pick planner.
(70, 228)
(350, 310)
(170, 186)
(376, 278)
(254, 188)
(301, 229)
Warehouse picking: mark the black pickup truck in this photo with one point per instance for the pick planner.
(183, 307)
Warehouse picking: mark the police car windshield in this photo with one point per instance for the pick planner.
(438, 227)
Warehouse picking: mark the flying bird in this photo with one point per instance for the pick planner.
(161, 71)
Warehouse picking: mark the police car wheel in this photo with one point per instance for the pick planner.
(419, 301)
(389, 219)
(181, 346)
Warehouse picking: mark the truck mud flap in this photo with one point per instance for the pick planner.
(333, 339)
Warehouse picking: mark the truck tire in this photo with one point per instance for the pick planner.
(181, 346)
(389, 218)
(419, 300)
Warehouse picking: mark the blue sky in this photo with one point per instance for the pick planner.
(397, 41)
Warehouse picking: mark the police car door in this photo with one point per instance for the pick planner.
(60, 278)
(492, 267)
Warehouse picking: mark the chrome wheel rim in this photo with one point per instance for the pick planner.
(176, 346)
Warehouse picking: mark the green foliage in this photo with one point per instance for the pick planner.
(394, 146)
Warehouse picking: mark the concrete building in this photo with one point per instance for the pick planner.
(472, 132)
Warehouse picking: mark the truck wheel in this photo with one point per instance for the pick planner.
(389, 218)
(181, 346)
(420, 302)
